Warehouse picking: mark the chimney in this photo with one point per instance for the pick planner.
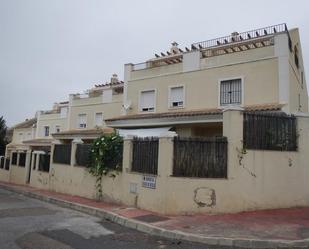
(114, 78)
(235, 36)
(174, 48)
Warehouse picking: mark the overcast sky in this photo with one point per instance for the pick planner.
(49, 49)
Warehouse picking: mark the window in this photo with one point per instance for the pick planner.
(46, 131)
(99, 119)
(230, 92)
(147, 101)
(57, 128)
(82, 121)
(107, 96)
(176, 96)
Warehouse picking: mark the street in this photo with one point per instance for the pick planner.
(27, 223)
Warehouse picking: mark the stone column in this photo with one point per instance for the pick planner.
(233, 130)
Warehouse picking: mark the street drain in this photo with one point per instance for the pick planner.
(150, 218)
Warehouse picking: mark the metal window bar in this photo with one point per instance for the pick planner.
(44, 162)
(14, 158)
(200, 157)
(7, 164)
(230, 92)
(145, 155)
(22, 159)
(83, 156)
(270, 131)
(1, 162)
(62, 154)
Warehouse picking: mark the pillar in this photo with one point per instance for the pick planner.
(233, 130)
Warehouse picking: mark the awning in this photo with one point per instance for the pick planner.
(149, 132)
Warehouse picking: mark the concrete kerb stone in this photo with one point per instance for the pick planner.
(157, 231)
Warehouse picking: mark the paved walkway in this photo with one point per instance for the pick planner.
(288, 225)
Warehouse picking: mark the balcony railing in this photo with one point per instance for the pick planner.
(244, 36)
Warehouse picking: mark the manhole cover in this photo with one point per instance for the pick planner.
(150, 218)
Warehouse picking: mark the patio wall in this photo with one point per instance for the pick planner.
(260, 180)
(256, 179)
(4, 175)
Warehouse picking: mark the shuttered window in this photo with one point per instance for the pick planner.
(230, 92)
(176, 96)
(82, 121)
(147, 101)
(99, 119)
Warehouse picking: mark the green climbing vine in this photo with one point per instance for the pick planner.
(106, 158)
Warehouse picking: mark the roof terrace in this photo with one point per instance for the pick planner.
(236, 42)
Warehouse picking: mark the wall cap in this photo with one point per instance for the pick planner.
(77, 141)
(168, 134)
(128, 137)
(56, 141)
(301, 114)
(232, 108)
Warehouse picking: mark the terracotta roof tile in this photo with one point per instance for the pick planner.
(39, 141)
(26, 124)
(262, 107)
(110, 84)
(84, 132)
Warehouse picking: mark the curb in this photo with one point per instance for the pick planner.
(162, 232)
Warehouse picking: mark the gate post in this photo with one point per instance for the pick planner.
(165, 155)
(127, 154)
(233, 130)
(75, 142)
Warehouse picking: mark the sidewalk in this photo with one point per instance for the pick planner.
(260, 229)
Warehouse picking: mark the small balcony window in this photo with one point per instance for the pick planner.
(147, 101)
(230, 92)
(82, 121)
(99, 119)
(176, 97)
(57, 128)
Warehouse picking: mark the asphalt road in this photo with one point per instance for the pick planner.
(26, 223)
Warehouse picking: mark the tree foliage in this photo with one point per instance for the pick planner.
(106, 158)
(3, 140)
